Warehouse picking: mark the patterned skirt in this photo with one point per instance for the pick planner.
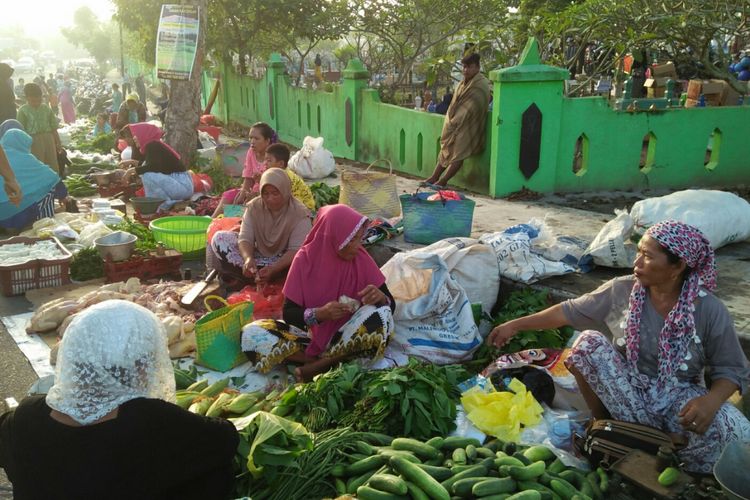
(268, 342)
(634, 398)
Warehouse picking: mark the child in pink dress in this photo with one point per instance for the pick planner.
(261, 136)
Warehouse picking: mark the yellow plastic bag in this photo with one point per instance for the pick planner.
(501, 414)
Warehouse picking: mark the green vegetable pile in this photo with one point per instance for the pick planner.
(78, 185)
(100, 144)
(146, 241)
(416, 400)
(87, 264)
(324, 194)
(519, 304)
(222, 181)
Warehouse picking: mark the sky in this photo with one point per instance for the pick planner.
(41, 18)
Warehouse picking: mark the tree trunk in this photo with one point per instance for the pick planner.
(183, 112)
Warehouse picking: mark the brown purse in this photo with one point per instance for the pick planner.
(606, 441)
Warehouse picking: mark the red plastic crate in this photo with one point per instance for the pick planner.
(38, 273)
(145, 268)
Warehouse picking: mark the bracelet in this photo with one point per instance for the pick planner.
(310, 316)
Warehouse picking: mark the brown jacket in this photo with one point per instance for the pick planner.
(124, 112)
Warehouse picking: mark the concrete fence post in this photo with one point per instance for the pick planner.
(355, 81)
(274, 74)
(526, 121)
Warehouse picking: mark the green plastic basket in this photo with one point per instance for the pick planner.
(184, 233)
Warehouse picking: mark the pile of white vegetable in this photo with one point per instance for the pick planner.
(14, 254)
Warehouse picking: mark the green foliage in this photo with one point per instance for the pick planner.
(87, 264)
(77, 185)
(99, 144)
(146, 241)
(91, 34)
(324, 194)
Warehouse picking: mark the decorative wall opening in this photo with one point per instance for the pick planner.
(713, 149)
(299, 114)
(419, 151)
(581, 156)
(648, 153)
(402, 147)
(318, 119)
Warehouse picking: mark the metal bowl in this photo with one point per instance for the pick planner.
(146, 205)
(116, 246)
(104, 178)
(731, 470)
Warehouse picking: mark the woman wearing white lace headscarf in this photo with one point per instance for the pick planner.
(108, 427)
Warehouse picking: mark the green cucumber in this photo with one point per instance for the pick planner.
(669, 476)
(509, 448)
(437, 460)
(364, 448)
(563, 488)
(419, 448)
(556, 466)
(572, 477)
(494, 445)
(377, 439)
(459, 456)
(436, 442)
(420, 478)
(527, 473)
(365, 492)
(506, 460)
(485, 452)
(356, 481)
(547, 494)
(340, 486)
(439, 473)
(388, 483)
(474, 471)
(471, 453)
(499, 496)
(463, 487)
(520, 456)
(603, 479)
(538, 452)
(494, 486)
(453, 442)
(593, 480)
(526, 495)
(415, 492)
(364, 465)
(389, 452)
(338, 470)
(460, 468)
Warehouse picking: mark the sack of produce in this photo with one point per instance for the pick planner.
(313, 161)
(217, 335)
(371, 193)
(433, 318)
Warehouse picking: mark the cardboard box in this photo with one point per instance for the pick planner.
(705, 87)
(655, 92)
(731, 97)
(656, 82)
(691, 103)
(666, 70)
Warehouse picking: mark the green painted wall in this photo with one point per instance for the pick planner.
(612, 140)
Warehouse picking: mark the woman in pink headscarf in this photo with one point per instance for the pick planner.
(667, 328)
(67, 105)
(337, 305)
(163, 174)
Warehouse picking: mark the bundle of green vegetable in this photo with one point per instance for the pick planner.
(519, 304)
(325, 194)
(146, 239)
(100, 144)
(416, 400)
(87, 264)
(78, 185)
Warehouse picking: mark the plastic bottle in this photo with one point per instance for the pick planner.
(702, 101)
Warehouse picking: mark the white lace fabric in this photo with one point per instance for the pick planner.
(111, 353)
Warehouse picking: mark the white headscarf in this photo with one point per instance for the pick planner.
(111, 353)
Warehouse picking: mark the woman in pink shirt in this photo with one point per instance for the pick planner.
(261, 136)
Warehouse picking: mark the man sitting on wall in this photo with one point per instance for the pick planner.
(463, 129)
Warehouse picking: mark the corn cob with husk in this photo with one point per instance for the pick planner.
(219, 404)
(186, 398)
(201, 406)
(198, 386)
(215, 388)
(243, 402)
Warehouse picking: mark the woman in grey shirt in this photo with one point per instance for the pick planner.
(667, 329)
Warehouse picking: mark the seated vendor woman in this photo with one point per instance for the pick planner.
(109, 427)
(273, 228)
(163, 174)
(668, 329)
(336, 303)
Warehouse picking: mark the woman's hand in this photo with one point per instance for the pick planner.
(501, 334)
(372, 295)
(264, 275)
(698, 414)
(248, 267)
(332, 311)
(129, 174)
(13, 190)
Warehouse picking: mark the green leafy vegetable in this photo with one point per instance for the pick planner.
(146, 240)
(87, 264)
(100, 144)
(324, 194)
(78, 185)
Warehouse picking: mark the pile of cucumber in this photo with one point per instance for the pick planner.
(457, 467)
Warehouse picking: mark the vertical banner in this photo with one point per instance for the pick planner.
(177, 41)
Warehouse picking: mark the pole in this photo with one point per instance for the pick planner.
(122, 56)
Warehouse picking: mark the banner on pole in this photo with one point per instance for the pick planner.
(177, 41)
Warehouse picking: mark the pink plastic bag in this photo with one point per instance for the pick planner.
(268, 302)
